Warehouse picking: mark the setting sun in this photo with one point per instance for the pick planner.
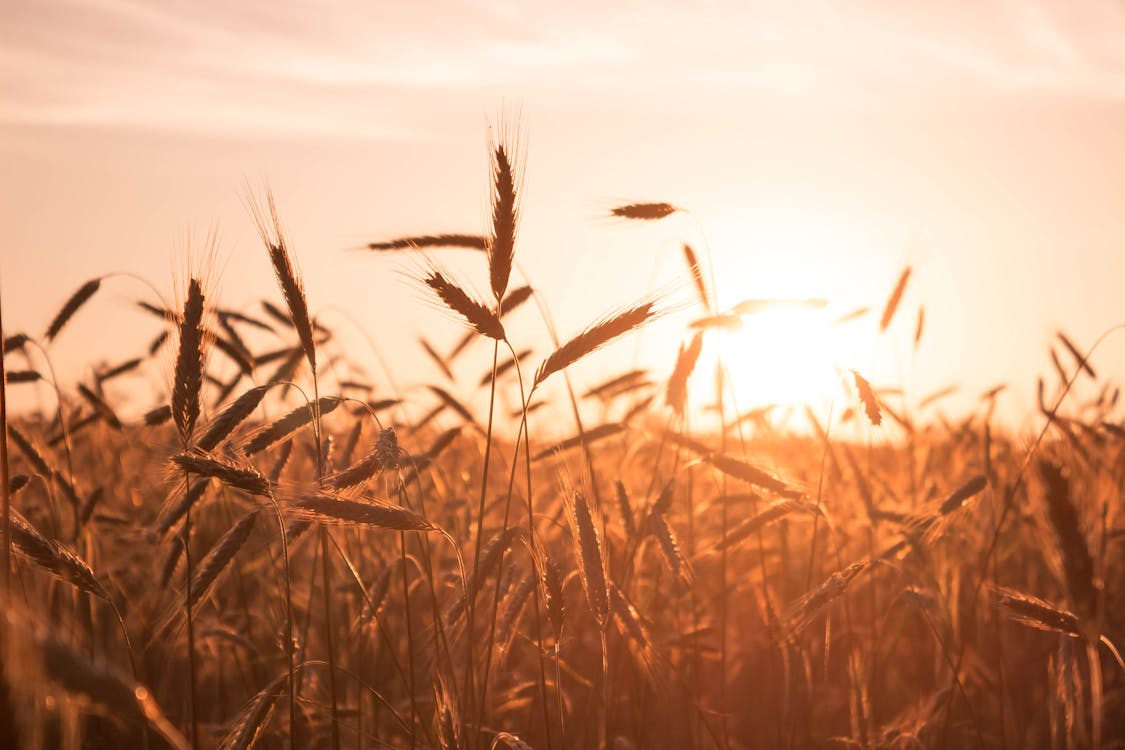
(786, 345)
(783, 357)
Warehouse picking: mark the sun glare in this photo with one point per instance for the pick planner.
(781, 356)
(790, 291)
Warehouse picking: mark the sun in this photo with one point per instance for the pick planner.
(781, 356)
(790, 292)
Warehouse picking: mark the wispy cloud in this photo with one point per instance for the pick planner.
(304, 67)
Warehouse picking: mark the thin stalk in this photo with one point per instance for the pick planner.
(288, 624)
(441, 641)
(478, 711)
(605, 692)
(409, 641)
(819, 495)
(186, 541)
(500, 565)
(326, 585)
(326, 569)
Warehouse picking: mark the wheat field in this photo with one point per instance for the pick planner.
(281, 555)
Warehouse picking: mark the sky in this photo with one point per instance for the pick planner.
(820, 147)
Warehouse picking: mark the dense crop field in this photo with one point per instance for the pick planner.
(282, 553)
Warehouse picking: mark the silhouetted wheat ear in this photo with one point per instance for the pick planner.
(374, 602)
(590, 436)
(511, 301)
(626, 615)
(449, 401)
(670, 547)
(847, 317)
(696, 272)
(14, 342)
(118, 370)
(447, 721)
(287, 278)
(505, 217)
(31, 452)
(101, 408)
(329, 507)
(236, 352)
(618, 384)
(918, 326)
(625, 510)
(963, 494)
(632, 628)
(69, 308)
(514, 604)
(245, 478)
(1078, 565)
(380, 459)
(1060, 371)
(343, 457)
(421, 241)
(588, 550)
(596, 336)
(1079, 359)
(867, 396)
(158, 415)
(720, 322)
(171, 514)
(773, 512)
(54, 557)
(483, 320)
(685, 364)
(553, 593)
(252, 719)
(157, 342)
(282, 428)
(1036, 613)
(644, 211)
(220, 556)
(505, 366)
(436, 358)
(490, 557)
(749, 473)
(894, 299)
(443, 441)
(187, 379)
(816, 601)
(223, 425)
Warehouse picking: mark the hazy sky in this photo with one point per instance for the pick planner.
(820, 146)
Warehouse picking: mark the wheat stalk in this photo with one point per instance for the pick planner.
(330, 507)
(894, 299)
(643, 211)
(282, 428)
(67, 311)
(483, 320)
(421, 241)
(187, 379)
(676, 395)
(588, 550)
(242, 477)
(594, 337)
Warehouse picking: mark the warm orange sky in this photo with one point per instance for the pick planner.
(822, 146)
